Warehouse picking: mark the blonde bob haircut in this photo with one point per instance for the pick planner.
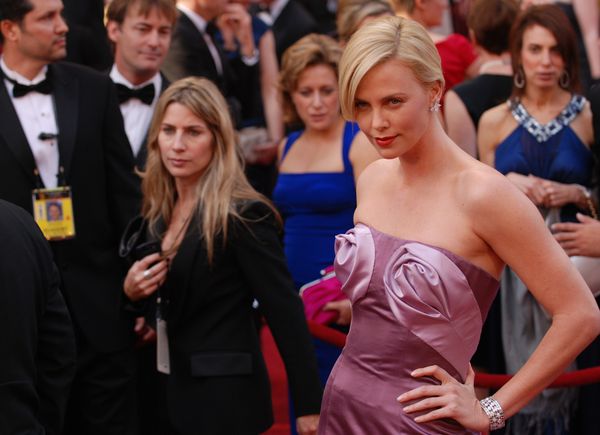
(311, 50)
(390, 38)
(221, 189)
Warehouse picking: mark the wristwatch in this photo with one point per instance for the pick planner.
(251, 60)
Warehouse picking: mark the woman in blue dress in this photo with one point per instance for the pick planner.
(318, 166)
(541, 141)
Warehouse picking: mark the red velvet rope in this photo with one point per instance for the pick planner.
(485, 380)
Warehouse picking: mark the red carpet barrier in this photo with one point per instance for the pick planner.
(485, 380)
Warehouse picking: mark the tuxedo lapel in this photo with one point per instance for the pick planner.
(142, 155)
(66, 100)
(196, 38)
(13, 134)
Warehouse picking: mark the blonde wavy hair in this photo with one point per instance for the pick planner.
(223, 186)
(382, 40)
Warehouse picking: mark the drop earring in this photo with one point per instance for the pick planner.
(435, 107)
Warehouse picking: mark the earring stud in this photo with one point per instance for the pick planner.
(436, 106)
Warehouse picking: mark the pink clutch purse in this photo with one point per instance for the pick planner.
(316, 294)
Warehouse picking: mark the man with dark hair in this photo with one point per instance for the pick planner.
(62, 140)
(141, 33)
(38, 361)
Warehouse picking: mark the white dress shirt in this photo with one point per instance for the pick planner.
(36, 114)
(137, 115)
(200, 24)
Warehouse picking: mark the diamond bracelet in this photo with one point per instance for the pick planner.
(494, 412)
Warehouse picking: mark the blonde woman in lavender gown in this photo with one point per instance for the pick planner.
(434, 229)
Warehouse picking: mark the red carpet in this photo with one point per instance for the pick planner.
(279, 391)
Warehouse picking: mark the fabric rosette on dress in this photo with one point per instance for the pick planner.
(413, 305)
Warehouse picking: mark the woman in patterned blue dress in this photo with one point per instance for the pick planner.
(540, 139)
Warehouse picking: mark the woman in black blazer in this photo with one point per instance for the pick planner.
(220, 251)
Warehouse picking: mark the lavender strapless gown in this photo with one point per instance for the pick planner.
(413, 305)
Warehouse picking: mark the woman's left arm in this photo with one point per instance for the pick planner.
(515, 231)
(517, 234)
(587, 15)
(269, 72)
(260, 255)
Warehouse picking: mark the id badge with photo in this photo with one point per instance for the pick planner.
(163, 363)
(53, 212)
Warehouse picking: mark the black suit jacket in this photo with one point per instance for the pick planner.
(36, 336)
(218, 382)
(140, 157)
(189, 56)
(98, 165)
(293, 23)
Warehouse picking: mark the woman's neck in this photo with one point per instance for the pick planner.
(494, 63)
(427, 157)
(548, 97)
(186, 194)
(324, 136)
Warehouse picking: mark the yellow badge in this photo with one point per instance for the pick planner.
(53, 212)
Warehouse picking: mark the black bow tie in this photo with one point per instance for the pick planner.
(20, 90)
(145, 94)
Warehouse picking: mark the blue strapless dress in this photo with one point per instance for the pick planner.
(316, 206)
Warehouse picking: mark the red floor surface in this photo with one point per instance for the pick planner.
(279, 391)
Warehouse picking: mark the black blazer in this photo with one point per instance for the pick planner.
(36, 336)
(293, 23)
(218, 382)
(98, 165)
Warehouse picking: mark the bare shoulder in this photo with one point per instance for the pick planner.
(280, 150)
(582, 125)
(494, 125)
(495, 116)
(489, 200)
(374, 176)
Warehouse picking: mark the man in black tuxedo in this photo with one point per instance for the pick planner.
(141, 33)
(61, 132)
(195, 53)
(38, 361)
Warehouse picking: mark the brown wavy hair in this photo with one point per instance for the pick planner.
(308, 51)
(222, 189)
(553, 19)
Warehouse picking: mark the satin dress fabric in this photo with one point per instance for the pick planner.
(413, 305)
